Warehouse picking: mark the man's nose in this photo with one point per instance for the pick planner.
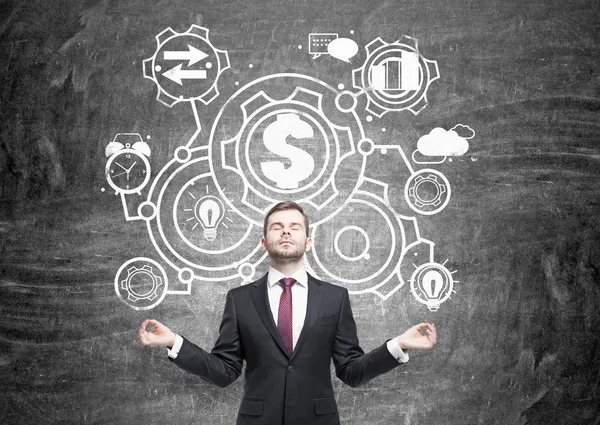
(285, 231)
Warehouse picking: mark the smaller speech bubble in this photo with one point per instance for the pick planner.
(342, 49)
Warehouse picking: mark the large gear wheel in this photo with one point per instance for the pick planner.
(404, 76)
(298, 145)
(185, 66)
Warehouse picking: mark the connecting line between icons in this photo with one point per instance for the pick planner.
(406, 161)
(198, 125)
(199, 148)
(126, 210)
(186, 291)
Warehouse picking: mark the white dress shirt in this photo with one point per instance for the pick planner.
(299, 298)
(299, 304)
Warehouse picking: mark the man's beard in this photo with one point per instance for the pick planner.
(281, 255)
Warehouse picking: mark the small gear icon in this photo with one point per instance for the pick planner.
(427, 191)
(185, 66)
(141, 277)
(395, 76)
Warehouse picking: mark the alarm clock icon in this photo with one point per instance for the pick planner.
(128, 170)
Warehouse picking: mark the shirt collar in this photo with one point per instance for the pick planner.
(300, 276)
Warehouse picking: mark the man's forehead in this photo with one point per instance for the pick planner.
(286, 217)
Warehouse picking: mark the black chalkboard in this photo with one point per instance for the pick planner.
(518, 235)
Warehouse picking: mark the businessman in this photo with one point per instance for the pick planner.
(287, 326)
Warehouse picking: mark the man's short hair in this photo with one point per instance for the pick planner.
(281, 206)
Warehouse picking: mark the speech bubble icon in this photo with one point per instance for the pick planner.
(342, 49)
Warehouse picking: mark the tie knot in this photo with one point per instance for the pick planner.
(287, 282)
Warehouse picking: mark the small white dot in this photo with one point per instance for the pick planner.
(208, 65)
(102, 190)
(340, 86)
(237, 83)
(351, 31)
(383, 129)
(250, 66)
(148, 137)
(449, 159)
(369, 118)
(383, 151)
(299, 46)
(157, 68)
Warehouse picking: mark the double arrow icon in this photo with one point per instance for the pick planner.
(192, 55)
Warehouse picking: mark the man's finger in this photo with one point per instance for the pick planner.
(421, 326)
(153, 322)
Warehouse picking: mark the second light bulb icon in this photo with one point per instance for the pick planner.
(209, 211)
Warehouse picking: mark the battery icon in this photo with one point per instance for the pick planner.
(396, 73)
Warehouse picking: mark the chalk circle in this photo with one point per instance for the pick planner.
(366, 147)
(345, 101)
(246, 271)
(208, 65)
(364, 254)
(369, 118)
(157, 68)
(185, 275)
(141, 283)
(147, 210)
(182, 154)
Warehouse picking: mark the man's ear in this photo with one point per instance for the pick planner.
(309, 243)
(263, 242)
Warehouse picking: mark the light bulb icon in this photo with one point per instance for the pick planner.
(432, 284)
(209, 211)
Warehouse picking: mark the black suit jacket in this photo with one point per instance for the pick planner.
(279, 388)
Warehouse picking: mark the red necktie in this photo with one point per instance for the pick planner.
(284, 317)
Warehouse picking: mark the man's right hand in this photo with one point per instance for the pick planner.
(160, 336)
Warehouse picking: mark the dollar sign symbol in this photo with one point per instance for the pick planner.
(274, 138)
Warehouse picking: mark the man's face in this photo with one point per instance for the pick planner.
(286, 239)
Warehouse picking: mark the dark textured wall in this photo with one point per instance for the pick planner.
(518, 342)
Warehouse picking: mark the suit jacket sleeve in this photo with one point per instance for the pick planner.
(352, 365)
(223, 364)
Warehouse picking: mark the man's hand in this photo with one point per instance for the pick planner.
(161, 335)
(414, 339)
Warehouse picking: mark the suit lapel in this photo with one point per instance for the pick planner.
(261, 303)
(315, 299)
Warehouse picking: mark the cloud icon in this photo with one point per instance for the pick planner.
(440, 142)
(464, 131)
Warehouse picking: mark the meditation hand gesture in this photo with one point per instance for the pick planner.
(415, 339)
(161, 335)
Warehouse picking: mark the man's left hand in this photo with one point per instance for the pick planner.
(420, 337)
